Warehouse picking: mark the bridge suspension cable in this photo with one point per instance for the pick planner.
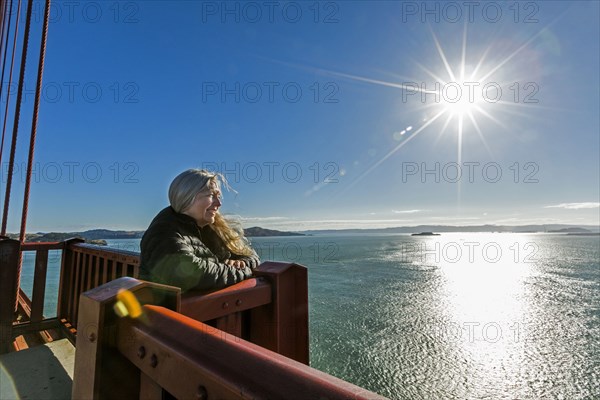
(34, 121)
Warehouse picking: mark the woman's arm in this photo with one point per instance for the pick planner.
(250, 261)
(170, 258)
(216, 244)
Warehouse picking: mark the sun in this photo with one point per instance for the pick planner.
(459, 101)
(460, 97)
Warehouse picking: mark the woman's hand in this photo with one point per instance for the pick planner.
(237, 264)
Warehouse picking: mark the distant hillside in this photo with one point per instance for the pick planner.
(256, 231)
(98, 234)
(475, 228)
(89, 235)
(108, 234)
(570, 230)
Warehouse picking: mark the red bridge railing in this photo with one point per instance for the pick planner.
(83, 267)
(163, 352)
(247, 340)
(258, 309)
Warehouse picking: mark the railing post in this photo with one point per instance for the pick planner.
(39, 285)
(101, 371)
(9, 260)
(66, 279)
(282, 326)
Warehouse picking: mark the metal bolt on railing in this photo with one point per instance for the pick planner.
(153, 361)
(202, 393)
(141, 352)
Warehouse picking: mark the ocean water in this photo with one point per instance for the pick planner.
(456, 316)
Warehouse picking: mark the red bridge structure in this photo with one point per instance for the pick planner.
(247, 341)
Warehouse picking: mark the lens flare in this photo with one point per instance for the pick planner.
(127, 305)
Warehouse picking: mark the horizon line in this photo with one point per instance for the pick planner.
(342, 229)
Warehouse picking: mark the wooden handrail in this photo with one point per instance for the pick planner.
(282, 326)
(270, 310)
(9, 258)
(94, 360)
(190, 359)
(165, 351)
(84, 267)
(34, 246)
(273, 309)
(247, 294)
(124, 256)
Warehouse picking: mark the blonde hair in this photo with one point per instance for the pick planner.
(184, 189)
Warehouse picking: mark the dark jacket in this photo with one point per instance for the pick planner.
(175, 251)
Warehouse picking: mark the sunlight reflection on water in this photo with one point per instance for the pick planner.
(499, 316)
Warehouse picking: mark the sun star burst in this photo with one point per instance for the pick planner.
(462, 100)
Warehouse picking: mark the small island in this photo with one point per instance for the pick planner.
(425, 234)
(98, 242)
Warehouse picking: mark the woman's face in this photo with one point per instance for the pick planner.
(205, 205)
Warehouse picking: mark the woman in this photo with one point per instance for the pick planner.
(189, 244)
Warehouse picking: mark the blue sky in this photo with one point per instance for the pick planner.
(313, 112)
